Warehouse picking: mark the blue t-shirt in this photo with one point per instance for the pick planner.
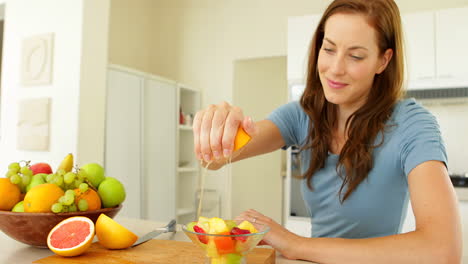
(377, 207)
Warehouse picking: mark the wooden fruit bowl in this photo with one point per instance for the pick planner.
(33, 228)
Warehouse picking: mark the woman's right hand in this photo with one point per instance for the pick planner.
(215, 128)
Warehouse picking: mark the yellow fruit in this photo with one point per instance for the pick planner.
(112, 235)
(241, 139)
(10, 194)
(71, 237)
(67, 163)
(204, 223)
(41, 198)
(217, 225)
(246, 225)
(91, 196)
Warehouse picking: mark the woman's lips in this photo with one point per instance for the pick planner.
(336, 85)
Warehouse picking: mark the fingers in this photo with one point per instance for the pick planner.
(214, 130)
(233, 121)
(197, 120)
(249, 126)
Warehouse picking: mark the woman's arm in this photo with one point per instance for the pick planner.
(437, 238)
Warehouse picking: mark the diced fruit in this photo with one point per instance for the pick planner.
(238, 231)
(248, 226)
(9, 194)
(71, 237)
(201, 238)
(233, 259)
(211, 250)
(217, 226)
(204, 223)
(112, 192)
(41, 167)
(230, 224)
(190, 226)
(227, 259)
(224, 245)
(112, 235)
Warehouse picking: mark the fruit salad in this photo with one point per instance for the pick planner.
(224, 241)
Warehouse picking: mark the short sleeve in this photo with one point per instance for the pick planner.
(292, 122)
(421, 139)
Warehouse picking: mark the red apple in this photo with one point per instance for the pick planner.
(41, 168)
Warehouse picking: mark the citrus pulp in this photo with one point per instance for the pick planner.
(71, 237)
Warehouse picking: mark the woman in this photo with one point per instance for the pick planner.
(365, 150)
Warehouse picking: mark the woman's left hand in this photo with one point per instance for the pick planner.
(278, 237)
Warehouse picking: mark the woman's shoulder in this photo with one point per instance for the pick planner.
(412, 118)
(408, 111)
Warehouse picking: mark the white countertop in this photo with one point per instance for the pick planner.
(13, 252)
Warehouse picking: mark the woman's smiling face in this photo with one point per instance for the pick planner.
(349, 59)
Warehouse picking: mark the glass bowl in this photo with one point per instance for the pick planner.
(226, 249)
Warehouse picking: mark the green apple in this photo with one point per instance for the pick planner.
(19, 208)
(94, 173)
(112, 192)
(36, 180)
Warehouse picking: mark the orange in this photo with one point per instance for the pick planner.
(112, 235)
(91, 196)
(10, 194)
(71, 237)
(241, 139)
(41, 198)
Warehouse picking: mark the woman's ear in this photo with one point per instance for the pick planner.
(384, 60)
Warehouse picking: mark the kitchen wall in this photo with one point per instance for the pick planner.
(197, 42)
(78, 85)
(453, 120)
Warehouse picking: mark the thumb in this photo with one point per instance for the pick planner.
(249, 126)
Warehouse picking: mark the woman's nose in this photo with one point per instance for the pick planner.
(338, 65)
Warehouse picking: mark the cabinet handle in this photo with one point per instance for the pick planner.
(425, 77)
(445, 76)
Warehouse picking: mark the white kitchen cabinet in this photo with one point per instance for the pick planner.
(452, 43)
(142, 131)
(188, 169)
(300, 32)
(419, 38)
(436, 51)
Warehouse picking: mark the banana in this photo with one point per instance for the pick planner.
(67, 163)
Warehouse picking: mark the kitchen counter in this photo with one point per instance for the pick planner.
(13, 252)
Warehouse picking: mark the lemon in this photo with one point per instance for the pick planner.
(112, 235)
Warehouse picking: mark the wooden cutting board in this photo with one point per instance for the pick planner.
(154, 251)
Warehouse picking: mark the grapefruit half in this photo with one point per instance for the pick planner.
(71, 237)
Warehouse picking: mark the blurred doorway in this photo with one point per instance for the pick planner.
(260, 86)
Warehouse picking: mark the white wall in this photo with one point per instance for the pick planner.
(64, 18)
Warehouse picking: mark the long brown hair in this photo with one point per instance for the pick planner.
(368, 121)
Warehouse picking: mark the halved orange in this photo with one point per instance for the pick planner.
(241, 138)
(71, 237)
(112, 235)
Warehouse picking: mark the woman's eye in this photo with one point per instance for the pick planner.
(356, 57)
(328, 50)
